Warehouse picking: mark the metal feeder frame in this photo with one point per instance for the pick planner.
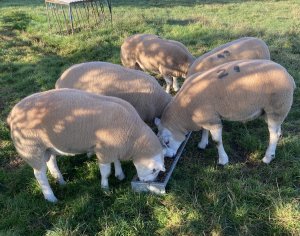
(69, 16)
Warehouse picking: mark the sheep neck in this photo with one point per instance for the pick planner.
(176, 120)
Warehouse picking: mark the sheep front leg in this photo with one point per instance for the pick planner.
(216, 134)
(105, 170)
(175, 84)
(118, 170)
(275, 133)
(168, 80)
(204, 139)
(54, 170)
(41, 176)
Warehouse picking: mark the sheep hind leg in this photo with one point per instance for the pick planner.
(54, 170)
(105, 170)
(275, 133)
(204, 139)
(175, 84)
(168, 80)
(118, 170)
(41, 176)
(216, 134)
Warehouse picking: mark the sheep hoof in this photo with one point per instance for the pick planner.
(223, 162)
(52, 199)
(120, 176)
(105, 190)
(175, 89)
(268, 159)
(202, 146)
(62, 182)
(105, 187)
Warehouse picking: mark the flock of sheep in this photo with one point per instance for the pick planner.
(101, 108)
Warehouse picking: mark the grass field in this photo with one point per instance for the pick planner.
(246, 197)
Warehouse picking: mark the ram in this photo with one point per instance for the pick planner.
(240, 49)
(235, 91)
(151, 53)
(243, 48)
(141, 90)
(70, 122)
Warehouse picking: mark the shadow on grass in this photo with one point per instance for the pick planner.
(16, 20)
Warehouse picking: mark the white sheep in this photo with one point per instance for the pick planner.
(141, 90)
(151, 53)
(243, 48)
(69, 122)
(236, 91)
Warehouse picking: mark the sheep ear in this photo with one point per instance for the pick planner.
(157, 121)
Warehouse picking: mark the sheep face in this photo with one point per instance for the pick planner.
(148, 168)
(167, 139)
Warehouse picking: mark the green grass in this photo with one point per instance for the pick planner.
(246, 197)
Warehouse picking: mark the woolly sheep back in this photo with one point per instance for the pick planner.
(141, 90)
(243, 48)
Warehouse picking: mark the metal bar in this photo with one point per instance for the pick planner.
(80, 13)
(76, 12)
(54, 16)
(101, 7)
(71, 18)
(65, 18)
(109, 7)
(48, 18)
(58, 19)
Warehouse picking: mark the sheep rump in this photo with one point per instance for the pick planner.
(240, 49)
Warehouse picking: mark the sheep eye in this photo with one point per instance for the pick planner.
(153, 171)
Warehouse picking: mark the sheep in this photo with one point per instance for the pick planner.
(237, 91)
(70, 122)
(243, 48)
(141, 90)
(151, 53)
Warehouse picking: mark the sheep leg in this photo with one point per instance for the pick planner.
(275, 133)
(168, 80)
(41, 176)
(89, 154)
(105, 170)
(175, 84)
(216, 134)
(204, 139)
(54, 170)
(118, 170)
